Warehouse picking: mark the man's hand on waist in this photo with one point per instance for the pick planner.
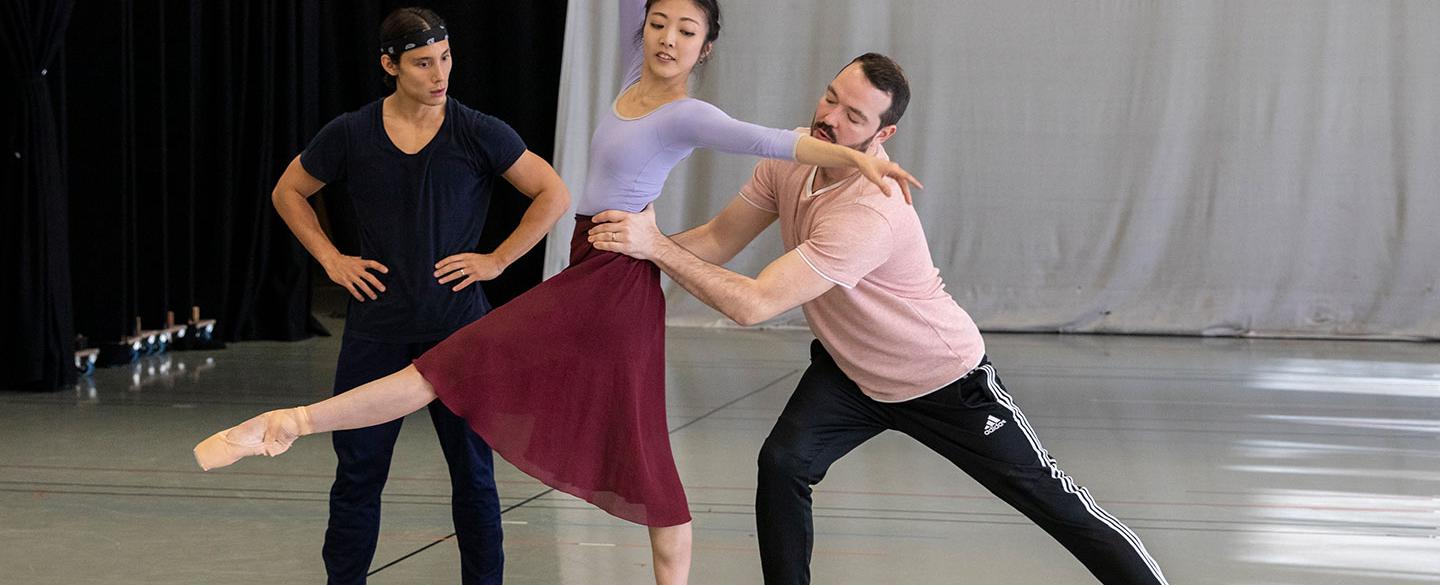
(468, 268)
(353, 273)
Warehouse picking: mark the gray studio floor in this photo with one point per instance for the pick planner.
(1238, 461)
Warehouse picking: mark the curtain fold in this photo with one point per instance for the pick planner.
(36, 302)
(1227, 168)
(184, 114)
(140, 163)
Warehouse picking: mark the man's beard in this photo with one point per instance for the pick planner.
(829, 130)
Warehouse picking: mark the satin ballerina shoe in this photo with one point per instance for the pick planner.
(269, 434)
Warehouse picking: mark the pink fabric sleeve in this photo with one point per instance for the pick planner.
(847, 244)
(760, 190)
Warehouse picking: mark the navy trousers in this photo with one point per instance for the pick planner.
(364, 456)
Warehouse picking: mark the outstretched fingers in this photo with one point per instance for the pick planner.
(905, 179)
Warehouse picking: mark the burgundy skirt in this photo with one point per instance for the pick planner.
(567, 383)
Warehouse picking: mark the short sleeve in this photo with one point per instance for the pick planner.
(848, 243)
(324, 158)
(494, 143)
(760, 191)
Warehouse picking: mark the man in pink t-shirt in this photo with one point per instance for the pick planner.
(894, 350)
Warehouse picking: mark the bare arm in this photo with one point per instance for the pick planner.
(351, 272)
(550, 198)
(720, 239)
(786, 283)
(289, 197)
(812, 151)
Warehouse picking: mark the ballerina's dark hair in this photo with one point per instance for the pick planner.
(711, 8)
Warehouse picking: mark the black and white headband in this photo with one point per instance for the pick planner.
(420, 38)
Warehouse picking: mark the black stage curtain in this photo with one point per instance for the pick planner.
(35, 300)
(181, 116)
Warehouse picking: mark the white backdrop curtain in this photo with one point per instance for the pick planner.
(1240, 167)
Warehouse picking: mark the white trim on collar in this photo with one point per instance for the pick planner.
(810, 184)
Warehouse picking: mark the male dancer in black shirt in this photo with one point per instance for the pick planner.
(419, 167)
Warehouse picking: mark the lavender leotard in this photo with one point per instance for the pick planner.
(630, 157)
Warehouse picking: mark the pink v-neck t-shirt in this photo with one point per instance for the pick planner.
(889, 323)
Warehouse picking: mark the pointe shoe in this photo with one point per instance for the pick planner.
(280, 428)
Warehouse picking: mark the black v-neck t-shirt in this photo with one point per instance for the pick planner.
(412, 210)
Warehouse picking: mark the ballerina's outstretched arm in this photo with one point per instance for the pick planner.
(703, 125)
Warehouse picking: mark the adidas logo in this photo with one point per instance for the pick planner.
(992, 425)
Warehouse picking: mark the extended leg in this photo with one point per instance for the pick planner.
(976, 424)
(381, 401)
